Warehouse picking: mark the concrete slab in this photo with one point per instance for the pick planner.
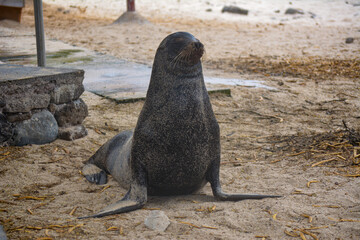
(12, 72)
(124, 81)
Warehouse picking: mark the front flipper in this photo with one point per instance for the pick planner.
(213, 178)
(135, 198)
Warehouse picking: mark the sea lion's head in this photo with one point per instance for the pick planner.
(181, 49)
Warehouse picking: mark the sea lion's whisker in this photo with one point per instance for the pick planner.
(177, 58)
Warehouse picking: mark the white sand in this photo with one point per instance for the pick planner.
(308, 101)
(328, 12)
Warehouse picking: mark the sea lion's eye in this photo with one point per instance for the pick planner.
(178, 41)
(176, 45)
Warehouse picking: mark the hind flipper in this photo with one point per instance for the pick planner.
(94, 174)
(134, 199)
(213, 178)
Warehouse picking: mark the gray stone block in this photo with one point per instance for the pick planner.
(2, 104)
(66, 92)
(40, 129)
(69, 114)
(25, 95)
(72, 133)
(25, 88)
(68, 87)
(22, 96)
(17, 117)
(6, 130)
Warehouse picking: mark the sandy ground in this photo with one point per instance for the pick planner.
(289, 141)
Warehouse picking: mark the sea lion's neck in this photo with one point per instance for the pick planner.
(180, 87)
(165, 77)
(184, 71)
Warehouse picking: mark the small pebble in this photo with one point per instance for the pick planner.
(294, 11)
(234, 9)
(157, 220)
(349, 40)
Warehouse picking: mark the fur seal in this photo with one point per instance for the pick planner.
(175, 147)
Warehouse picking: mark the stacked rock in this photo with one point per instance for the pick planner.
(38, 105)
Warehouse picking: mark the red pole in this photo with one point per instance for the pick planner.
(131, 5)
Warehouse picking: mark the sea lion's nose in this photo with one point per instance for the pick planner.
(198, 45)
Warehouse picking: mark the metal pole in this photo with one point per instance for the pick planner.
(131, 5)
(40, 36)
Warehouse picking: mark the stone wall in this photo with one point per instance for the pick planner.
(38, 105)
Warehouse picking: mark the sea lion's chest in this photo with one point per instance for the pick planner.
(174, 145)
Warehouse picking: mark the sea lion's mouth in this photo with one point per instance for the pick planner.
(190, 54)
(195, 51)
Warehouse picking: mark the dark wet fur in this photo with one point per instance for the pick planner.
(101, 155)
(176, 143)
